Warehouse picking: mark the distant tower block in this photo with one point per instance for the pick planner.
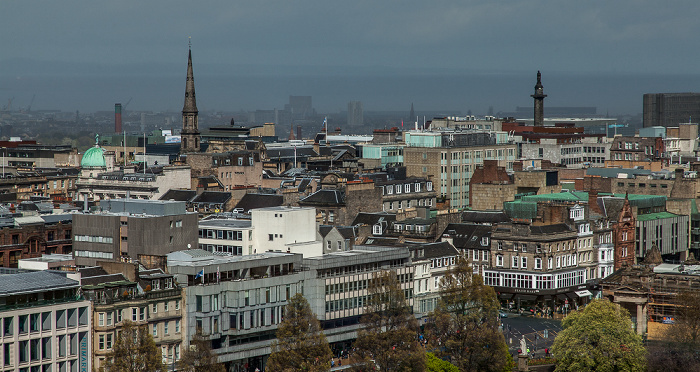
(190, 114)
(539, 101)
(117, 118)
(355, 114)
(291, 132)
(299, 132)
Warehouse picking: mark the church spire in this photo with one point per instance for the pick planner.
(190, 138)
(190, 100)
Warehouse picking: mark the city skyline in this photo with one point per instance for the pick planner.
(485, 54)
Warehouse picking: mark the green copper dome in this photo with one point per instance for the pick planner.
(93, 158)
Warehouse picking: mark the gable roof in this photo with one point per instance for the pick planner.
(252, 201)
(212, 197)
(179, 195)
(371, 219)
(325, 197)
(491, 217)
(467, 235)
(429, 251)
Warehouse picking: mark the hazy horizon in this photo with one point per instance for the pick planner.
(250, 88)
(441, 55)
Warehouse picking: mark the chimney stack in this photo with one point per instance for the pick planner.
(117, 118)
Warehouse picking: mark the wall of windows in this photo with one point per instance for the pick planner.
(534, 281)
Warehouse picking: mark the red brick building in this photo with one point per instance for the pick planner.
(32, 238)
(624, 235)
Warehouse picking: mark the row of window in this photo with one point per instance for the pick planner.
(46, 348)
(249, 297)
(427, 202)
(221, 234)
(521, 262)
(534, 281)
(94, 239)
(406, 188)
(45, 321)
(567, 245)
(94, 254)
(358, 285)
(231, 250)
(357, 302)
(137, 314)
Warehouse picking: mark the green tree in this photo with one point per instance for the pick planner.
(300, 343)
(389, 335)
(199, 357)
(464, 326)
(134, 351)
(599, 338)
(435, 364)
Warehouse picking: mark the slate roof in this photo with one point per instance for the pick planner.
(212, 197)
(429, 251)
(91, 271)
(491, 217)
(55, 218)
(36, 281)
(102, 279)
(370, 219)
(288, 152)
(252, 201)
(325, 197)
(613, 172)
(380, 241)
(323, 230)
(550, 229)
(467, 235)
(304, 184)
(347, 232)
(179, 195)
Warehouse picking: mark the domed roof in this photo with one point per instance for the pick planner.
(93, 158)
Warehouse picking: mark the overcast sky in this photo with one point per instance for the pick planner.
(359, 36)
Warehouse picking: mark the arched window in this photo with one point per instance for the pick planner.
(184, 143)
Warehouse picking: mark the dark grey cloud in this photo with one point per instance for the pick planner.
(627, 35)
(267, 38)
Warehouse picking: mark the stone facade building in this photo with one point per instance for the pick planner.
(150, 298)
(624, 235)
(450, 167)
(637, 148)
(33, 237)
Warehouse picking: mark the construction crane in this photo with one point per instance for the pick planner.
(124, 106)
(9, 104)
(29, 107)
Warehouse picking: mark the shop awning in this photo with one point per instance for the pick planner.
(584, 293)
(505, 296)
(561, 296)
(525, 297)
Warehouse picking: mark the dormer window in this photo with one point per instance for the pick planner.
(407, 188)
(417, 187)
(398, 189)
(429, 186)
(377, 229)
(576, 213)
(390, 189)
(484, 241)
